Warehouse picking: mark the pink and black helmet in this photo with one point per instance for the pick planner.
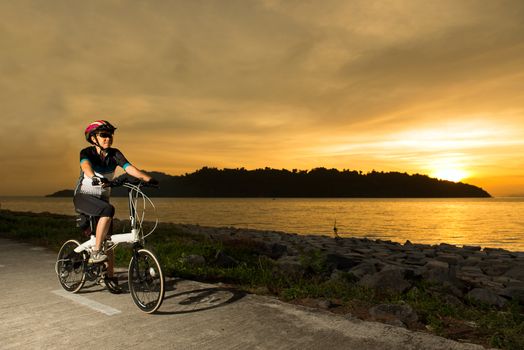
(97, 126)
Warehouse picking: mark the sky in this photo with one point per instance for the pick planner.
(428, 87)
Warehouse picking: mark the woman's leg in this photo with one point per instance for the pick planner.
(102, 228)
(96, 207)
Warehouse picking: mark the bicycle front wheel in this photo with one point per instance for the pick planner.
(70, 267)
(146, 281)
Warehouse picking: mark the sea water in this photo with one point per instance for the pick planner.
(488, 222)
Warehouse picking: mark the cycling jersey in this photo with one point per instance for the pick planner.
(102, 168)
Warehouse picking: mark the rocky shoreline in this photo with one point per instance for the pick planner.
(487, 275)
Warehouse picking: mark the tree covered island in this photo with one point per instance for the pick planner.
(315, 183)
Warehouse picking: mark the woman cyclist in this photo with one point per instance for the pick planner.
(98, 163)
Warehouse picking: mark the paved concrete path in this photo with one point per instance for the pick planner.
(37, 314)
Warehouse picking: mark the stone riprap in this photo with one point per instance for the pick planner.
(488, 275)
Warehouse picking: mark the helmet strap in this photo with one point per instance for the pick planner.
(96, 143)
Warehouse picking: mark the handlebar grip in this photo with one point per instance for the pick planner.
(97, 181)
(120, 181)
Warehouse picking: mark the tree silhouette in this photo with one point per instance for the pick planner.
(315, 183)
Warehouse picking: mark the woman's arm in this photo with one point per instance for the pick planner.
(131, 170)
(87, 169)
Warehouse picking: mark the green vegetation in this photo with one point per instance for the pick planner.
(248, 267)
(45, 229)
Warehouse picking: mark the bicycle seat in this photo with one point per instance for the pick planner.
(86, 222)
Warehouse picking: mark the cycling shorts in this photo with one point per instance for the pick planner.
(90, 205)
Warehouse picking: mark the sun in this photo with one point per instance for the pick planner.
(450, 174)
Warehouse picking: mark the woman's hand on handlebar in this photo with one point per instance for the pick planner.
(153, 182)
(97, 181)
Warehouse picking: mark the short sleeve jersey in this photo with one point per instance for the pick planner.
(103, 167)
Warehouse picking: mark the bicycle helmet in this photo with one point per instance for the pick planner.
(97, 126)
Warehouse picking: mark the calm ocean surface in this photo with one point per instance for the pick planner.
(488, 222)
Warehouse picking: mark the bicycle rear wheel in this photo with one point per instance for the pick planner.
(146, 281)
(70, 267)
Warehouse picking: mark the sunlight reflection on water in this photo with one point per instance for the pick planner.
(493, 222)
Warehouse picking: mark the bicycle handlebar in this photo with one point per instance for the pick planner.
(121, 181)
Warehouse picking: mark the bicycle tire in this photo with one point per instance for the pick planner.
(70, 267)
(146, 281)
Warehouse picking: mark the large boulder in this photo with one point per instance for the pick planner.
(451, 259)
(390, 279)
(516, 272)
(343, 262)
(193, 260)
(437, 271)
(363, 269)
(487, 297)
(515, 293)
(492, 268)
(290, 266)
(276, 250)
(472, 248)
(388, 312)
(224, 260)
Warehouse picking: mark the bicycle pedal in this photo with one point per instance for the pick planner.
(111, 283)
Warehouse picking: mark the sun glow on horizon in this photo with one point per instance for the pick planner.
(450, 174)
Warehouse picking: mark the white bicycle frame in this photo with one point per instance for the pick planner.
(135, 193)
